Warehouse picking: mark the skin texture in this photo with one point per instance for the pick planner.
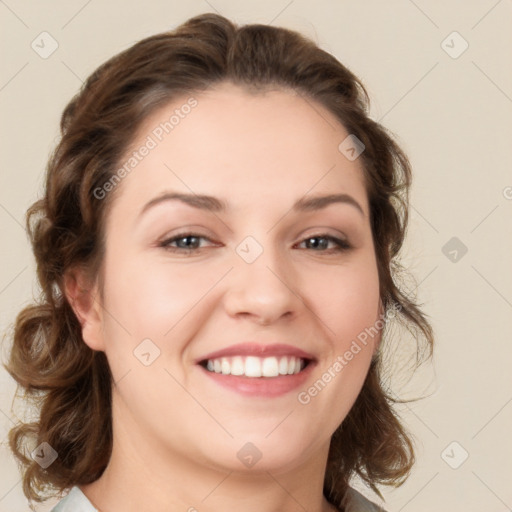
(176, 432)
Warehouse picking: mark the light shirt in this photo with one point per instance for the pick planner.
(76, 501)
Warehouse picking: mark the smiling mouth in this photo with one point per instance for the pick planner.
(256, 367)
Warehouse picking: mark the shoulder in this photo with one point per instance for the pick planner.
(75, 501)
(356, 502)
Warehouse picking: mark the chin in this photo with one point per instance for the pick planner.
(262, 452)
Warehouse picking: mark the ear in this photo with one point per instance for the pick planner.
(84, 299)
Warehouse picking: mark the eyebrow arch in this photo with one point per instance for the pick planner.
(319, 202)
(214, 204)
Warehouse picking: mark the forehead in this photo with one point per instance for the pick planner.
(265, 147)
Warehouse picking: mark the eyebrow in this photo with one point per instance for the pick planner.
(214, 204)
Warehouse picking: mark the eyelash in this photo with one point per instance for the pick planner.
(342, 245)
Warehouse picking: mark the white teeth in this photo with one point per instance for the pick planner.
(225, 366)
(252, 366)
(291, 366)
(283, 366)
(237, 366)
(270, 367)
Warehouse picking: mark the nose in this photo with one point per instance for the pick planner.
(264, 290)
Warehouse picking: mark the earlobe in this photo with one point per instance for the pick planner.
(381, 308)
(84, 300)
(380, 323)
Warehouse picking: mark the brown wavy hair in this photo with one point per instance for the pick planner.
(70, 384)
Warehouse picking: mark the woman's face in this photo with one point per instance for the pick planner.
(247, 278)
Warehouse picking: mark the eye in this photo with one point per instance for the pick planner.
(190, 242)
(186, 242)
(320, 243)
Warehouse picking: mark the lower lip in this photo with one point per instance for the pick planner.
(261, 386)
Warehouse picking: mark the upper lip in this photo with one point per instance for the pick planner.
(259, 350)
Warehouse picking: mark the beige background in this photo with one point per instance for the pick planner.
(452, 115)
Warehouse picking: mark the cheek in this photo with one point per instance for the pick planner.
(151, 298)
(158, 301)
(348, 301)
(348, 305)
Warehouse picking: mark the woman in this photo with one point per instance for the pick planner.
(217, 252)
